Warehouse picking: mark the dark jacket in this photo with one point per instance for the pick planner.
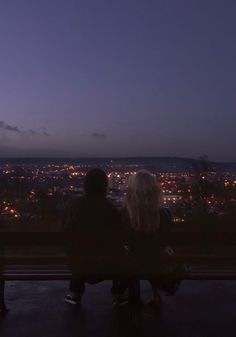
(145, 248)
(93, 224)
(147, 243)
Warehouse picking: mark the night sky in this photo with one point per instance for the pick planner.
(118, 78)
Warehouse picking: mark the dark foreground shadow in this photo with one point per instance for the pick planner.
(200, 309)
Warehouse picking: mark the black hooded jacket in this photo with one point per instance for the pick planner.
(94, 227)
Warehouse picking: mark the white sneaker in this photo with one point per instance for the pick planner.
(72, 299)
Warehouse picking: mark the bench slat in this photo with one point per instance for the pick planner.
(67, 276)
(48, 260)
(61, 238)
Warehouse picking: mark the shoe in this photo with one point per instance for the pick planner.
(72, 299)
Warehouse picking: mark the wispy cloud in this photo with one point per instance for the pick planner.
(98, 135)
(7, 127)
(15, 129)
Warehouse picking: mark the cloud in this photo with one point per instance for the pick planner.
(12, 128)
(6, 127)
(32, 132)
(98, 135)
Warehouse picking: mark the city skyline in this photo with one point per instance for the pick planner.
(123, 79)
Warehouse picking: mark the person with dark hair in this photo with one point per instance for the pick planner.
(92, 223)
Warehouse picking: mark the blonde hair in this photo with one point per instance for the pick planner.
(142, 201)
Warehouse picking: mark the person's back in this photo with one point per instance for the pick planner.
(93, 224)
(148, 244)
(147, 230)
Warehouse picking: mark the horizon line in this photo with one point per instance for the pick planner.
(113, 157)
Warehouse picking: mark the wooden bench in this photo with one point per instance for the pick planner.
(204, 265)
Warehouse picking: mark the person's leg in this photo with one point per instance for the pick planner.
(76, 290)
(155, 290)
(135, 292)
(77, 285)
(118, 291)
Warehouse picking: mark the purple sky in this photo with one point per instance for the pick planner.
(118, 78)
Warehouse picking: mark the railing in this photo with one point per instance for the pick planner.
(207, 253)
(205, 264)
(213, 239)
(205, 243)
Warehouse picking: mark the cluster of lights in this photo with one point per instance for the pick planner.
(8, 209)
(172, 184)
(178, 220)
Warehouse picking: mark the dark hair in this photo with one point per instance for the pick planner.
(96, 182)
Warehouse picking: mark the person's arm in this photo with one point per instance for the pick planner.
(116, 230)
(166, 228)
(120, 227)
(127, 230)
(115, 216)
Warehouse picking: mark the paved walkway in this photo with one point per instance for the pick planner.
(200, 309)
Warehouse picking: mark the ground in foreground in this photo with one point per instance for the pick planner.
(199, 309)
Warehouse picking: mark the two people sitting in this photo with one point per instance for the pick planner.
(137, 233)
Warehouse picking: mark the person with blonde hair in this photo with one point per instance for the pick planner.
(148, 226)
(142, 202)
